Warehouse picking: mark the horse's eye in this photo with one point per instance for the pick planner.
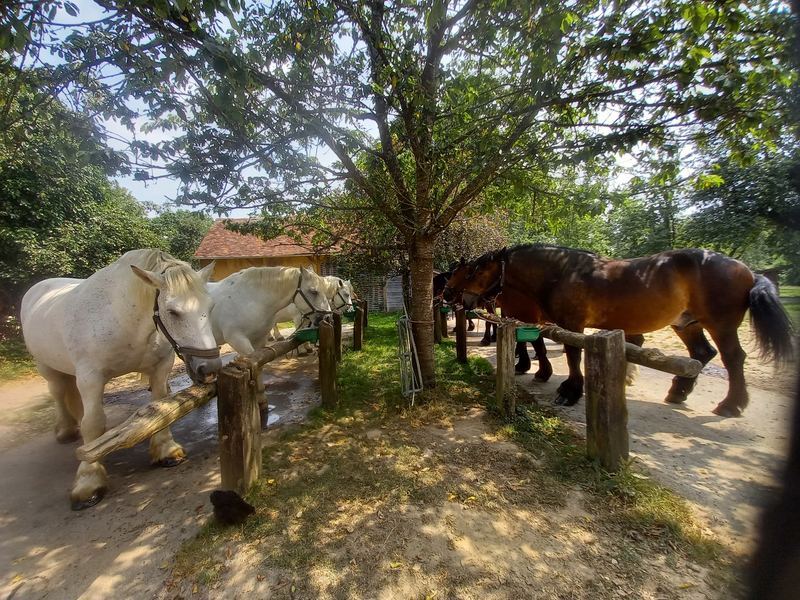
(173, 313)
(315, 292)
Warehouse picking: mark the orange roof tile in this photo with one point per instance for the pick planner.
(220, 242)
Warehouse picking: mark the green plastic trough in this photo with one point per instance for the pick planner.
(527, 334)
(309, 334)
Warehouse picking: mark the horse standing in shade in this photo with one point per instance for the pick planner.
(439, 287)
(692, 290)
(132, 315)
(246, 303)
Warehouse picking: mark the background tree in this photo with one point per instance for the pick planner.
(439, 102)
(181, 231)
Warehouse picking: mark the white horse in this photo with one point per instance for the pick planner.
(245, 303)
(338, 292)
(129, 316)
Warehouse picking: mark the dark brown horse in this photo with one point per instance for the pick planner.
(452, 294)
(692, 290)
(439, 284)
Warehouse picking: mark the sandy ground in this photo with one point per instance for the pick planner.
(125, 547)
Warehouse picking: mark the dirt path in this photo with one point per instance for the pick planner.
(125, 547)
(725, 467)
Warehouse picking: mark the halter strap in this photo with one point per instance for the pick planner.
(344, 302)
(299, 290)
(180, 350)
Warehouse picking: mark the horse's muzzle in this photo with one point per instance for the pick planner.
(202, 370)
(448, 294)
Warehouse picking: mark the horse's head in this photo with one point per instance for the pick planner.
(455, 285)
(181, 312)
(484, 278)
(339, 295)
(309, 297)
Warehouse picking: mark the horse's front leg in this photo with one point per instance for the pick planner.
(733, 357)
(90, 483)
(164, 450)
(571, 390)
(545, 367)
(632, 371)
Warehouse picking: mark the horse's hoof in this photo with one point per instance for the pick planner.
(724, 411)
(95, 499)
(542, 376)
(170, 462)
(520, 369)
(484, 342)
(564, 401)
(675, 399)
(471, 327)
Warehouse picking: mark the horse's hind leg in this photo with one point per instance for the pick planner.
(164, 450)
(632, 371)
(69, 408)
(733, 357)
(699, 349)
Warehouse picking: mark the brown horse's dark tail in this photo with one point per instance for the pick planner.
(770, 322)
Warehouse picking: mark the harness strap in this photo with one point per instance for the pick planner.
(180, 350)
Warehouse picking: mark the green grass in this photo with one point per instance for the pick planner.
(15, 360)
(790, 291)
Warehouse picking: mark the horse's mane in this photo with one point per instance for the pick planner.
(268, 276)
(180, 277)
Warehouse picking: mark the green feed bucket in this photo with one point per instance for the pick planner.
(527, 334)
(445, 309)
(471, 315)
(310, 334)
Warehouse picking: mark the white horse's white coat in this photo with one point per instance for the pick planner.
(246, 303)
(84, 332)
(338, 292)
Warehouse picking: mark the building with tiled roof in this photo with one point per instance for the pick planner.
(234, 251)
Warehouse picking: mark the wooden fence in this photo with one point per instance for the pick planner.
(606, 358)
(237, 391)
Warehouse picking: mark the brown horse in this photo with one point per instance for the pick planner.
(439, 284)
(692, 290)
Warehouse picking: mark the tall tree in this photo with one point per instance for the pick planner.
(421, 107)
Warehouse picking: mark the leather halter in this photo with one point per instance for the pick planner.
(307, 301)
(180, 350)
(489, 296)
(339, 295)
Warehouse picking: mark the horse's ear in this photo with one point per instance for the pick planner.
(463, 261)
(341, 283)
(149, 277)
(206, 272)
(311, 268)
(500, 254)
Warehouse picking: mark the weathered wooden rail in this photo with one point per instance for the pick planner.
(238, 410)
(606, 357)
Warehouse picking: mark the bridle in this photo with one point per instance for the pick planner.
(180, 350)
(344, 302)
(307, 301)
(489, 295)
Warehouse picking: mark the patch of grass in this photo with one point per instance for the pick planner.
(793, 311)
(15, 360)
(790, 291)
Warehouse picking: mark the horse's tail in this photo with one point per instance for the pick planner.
(770, 321)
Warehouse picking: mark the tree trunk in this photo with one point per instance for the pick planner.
(420, 255)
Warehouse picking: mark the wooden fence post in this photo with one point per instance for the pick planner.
(365, 304)
(461, 335)
(337, 336)
(327, 365)
(239, 427)
(606, 408)
(506, 386)
(443, 317)
(437, 322)
(358, 329)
